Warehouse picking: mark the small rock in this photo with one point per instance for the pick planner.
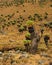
(24, 56)
(14, 63)
(49, 59)
(12, 40)
(40, 61)
(18, 51)
(11, 51)
(2, 32)
(1, 53)
(24, 52)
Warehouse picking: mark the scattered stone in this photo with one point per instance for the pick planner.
(41, 62)
(5, 57)
(11, 51)
(24, 52)
(18, 51)
(3, 32)
(12, 40)
(49, 59)
(14, 63)
(44, 54)
(1, 53)
(24, 56)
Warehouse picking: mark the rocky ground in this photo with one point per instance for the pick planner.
(18, 57)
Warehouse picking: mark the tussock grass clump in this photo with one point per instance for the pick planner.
(21, 29)
(27, 44)
(28, 36)
(29, 23)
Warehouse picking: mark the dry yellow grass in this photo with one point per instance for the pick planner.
(17, 38)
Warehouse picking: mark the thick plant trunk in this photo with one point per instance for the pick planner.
(34, 46)
(35, 42)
